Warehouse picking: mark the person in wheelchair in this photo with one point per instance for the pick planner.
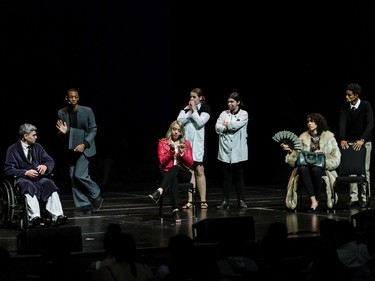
(30, 165)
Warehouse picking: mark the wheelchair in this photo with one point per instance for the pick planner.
(13, 207)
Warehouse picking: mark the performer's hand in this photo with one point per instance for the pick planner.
(79, 148)
(358, 144)
(32, 173)
(41, 169)
(344, 144)
(285, 147)
(192, 106)
(182, 148)
(61, 126)
(171, 145)
(225, 124)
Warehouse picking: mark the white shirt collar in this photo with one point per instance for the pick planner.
(356, 105)
(24, 145)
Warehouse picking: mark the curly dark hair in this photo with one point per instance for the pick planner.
(320, 121)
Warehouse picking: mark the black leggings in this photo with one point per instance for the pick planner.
(311, 177)
(170, 181)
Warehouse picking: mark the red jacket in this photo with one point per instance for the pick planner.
(166, 155)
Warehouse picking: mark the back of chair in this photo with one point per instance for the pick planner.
(352, 161)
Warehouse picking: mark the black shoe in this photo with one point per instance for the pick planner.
(47, 220)
(242, 204)
(97, 204)
(353, 203)
(155, 196)
(312, 210)
(176, 216)
(61, 220)
(224, 205)
(364, 204)
(83, 211)
(36, 222)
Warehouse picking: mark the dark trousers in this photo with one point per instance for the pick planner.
(230, 172)
(170, 180)
(311, 177)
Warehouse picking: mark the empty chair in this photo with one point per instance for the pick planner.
(352, 169)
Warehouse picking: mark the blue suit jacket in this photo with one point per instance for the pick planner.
(86, 122)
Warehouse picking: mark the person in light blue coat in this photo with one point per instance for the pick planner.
(231, 126)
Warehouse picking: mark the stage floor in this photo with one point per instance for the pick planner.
(138, 215)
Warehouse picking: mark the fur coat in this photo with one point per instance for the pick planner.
(328, 145)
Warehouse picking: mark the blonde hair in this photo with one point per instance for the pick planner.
(182, 129)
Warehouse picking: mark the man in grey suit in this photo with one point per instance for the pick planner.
(76, 124)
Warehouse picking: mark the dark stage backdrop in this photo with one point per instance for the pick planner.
(134, 63)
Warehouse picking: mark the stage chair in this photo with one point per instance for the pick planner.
(352, 169)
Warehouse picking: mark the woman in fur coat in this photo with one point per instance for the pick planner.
(316, 138)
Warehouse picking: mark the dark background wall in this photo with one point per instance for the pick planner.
(134, 63)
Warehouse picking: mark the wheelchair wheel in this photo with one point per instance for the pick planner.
(7, 202)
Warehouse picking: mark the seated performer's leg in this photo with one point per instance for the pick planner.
(49, 195)
(167, 178)
(30, 191)
(33, 210)
(54, 207)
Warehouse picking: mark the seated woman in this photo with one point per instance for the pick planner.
(316, 138)
(175, 162)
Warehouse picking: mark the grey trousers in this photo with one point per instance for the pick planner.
(354, 186)
(83, 187)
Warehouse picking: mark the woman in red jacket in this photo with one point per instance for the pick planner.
(175, 162)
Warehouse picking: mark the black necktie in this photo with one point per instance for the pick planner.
(29, 153)
(353, 108)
